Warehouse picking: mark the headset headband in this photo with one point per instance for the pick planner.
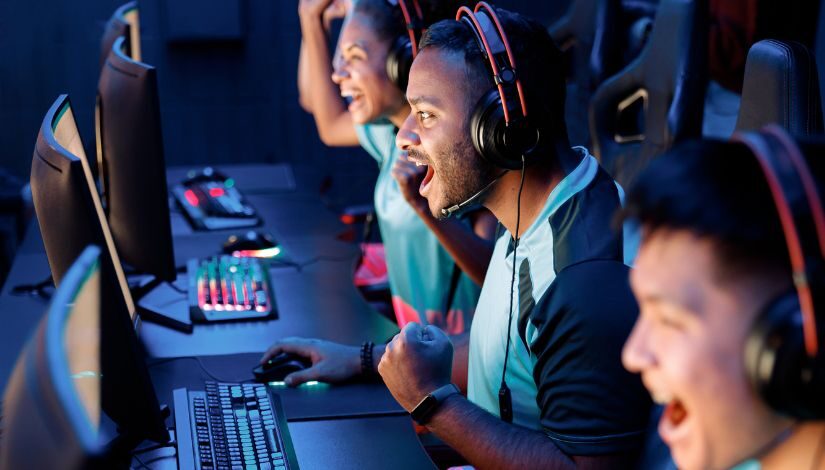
(496, 49)
(411, 25)
(795, 194)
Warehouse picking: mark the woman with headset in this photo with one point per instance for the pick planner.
(434, 267)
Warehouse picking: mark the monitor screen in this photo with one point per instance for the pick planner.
(81, 343)
(53, 401)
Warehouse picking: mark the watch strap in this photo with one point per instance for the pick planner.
(427, 406)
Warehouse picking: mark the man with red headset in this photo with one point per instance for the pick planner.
(542, 364)
(728, 275)
(545, 383)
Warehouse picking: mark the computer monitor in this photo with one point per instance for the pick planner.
(125, 22)
(131, 165)
(71, 218)
(52, 404)
(65, 197)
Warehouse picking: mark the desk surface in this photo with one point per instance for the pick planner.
(358, 444)
(316, 300)
(369, 429)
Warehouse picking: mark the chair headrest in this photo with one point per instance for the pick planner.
(781, 86)
(588, 32)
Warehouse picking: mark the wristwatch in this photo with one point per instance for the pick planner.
(426, 407)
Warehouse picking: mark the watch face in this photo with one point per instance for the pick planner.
(424, 409)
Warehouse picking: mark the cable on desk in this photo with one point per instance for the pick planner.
(177, 289)
(146, 464)
(200, 364)
(143, 450)
(37, 289)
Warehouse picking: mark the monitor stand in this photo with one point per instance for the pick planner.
(119, 450)
(174, 320)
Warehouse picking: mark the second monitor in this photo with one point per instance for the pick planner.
(131, 164)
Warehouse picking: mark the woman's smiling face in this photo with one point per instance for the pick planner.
(360, 72)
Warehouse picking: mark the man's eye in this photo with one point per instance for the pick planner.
(424, 115)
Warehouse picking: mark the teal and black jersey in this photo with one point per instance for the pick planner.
(418, 267)
(572, 311)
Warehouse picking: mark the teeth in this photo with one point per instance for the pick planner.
(420, 164)
(661, 398)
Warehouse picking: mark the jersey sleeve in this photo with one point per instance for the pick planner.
(589, 404)
(378, 139)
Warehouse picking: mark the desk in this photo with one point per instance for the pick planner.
(357, 425)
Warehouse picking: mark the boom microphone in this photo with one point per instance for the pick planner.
(451, 210)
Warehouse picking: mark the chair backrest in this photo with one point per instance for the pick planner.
(781, 86)
(663, 89)
(589, 34)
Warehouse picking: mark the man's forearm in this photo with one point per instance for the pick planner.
(487, 442)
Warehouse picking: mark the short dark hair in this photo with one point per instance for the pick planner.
(388, 21)
(716, 190)
(539, 64)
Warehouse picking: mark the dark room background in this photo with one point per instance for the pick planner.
(222, 100)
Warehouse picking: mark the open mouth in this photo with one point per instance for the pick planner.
(353, 97)
(426, 181)
(427, 178)
(672, 424)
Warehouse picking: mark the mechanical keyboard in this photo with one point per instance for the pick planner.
(214, 203)
(232, 426)
(226, 288)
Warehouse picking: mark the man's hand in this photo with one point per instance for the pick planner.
(331, 362)
(409, 177)
(416, 362)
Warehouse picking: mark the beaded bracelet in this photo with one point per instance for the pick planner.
(367, 366)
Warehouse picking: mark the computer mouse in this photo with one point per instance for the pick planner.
(249, 242)
(204, 174)
(280, 366)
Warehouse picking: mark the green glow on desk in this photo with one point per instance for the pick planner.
(310, 384)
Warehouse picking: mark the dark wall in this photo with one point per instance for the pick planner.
(221, 101)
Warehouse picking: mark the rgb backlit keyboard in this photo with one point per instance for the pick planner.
(226, 288)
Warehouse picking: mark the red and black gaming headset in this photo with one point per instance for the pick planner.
(783, 358)
(405, 47)
(501, 133)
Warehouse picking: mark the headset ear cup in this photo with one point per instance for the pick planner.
(498, 144)
(777, 365)
(399, 61)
